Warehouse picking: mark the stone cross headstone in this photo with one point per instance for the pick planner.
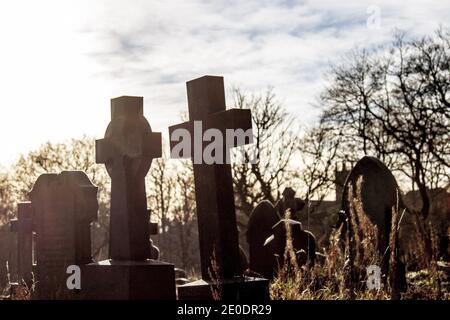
(23, 226)
(127, 152)
(64, 205)
(217, 228)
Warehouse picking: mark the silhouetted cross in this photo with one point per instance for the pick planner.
(216, 216)
(127, 151)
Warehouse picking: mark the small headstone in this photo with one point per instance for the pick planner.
(127, 151)
(218, 234)
(262, 258)
(264, 222)
(8, 256)
(23, 226)
(303, 242)
(64, 205)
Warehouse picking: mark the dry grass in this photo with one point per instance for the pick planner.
(343, 273)
(16, 291)
(329, 282)
(214, 274)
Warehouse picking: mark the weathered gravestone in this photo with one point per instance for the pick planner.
(23, 226)
(64, 205)
(303, 242)
(371, 191)
(266, 234)
(262, 219)
(127, 151)
(8, 255)
(218, 235)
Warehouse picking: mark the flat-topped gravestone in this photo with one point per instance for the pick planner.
(218, 234)
(23, 226)
(127, 152)
(64, 205)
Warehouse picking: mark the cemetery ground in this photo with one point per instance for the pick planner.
(293, 225)
(326, 281)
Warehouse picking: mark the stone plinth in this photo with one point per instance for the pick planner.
(127, 151)
(129, 280)
(238, 289)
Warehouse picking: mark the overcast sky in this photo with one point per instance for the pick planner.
(62, 61)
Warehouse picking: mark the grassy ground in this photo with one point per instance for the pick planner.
(427, 278)
(329, 279)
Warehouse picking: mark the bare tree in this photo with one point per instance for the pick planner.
(161, 185)
(275, 137)
(184, 214)
(7, 198)
(319, 149)
(171, 198)
(394, 104)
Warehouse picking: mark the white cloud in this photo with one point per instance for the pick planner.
(61, 61)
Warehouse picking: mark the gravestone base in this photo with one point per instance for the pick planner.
(129, 280)
(238, 289)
